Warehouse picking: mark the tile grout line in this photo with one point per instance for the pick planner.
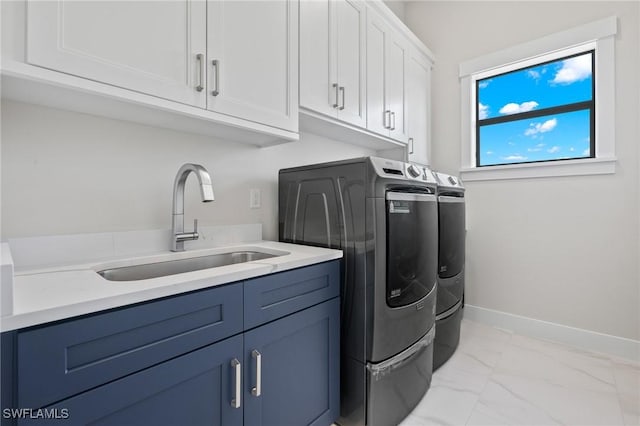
(486, 383)
(618, 393)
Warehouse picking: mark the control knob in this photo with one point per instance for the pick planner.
(453, 180)
(413, 171)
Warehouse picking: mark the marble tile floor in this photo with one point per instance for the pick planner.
(497, 377)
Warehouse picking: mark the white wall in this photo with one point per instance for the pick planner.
(66, 173)
(564, 250)
(397, 7)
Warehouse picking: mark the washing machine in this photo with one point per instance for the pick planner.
(451, 261)
(383, 215)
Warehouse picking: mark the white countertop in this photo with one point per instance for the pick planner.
(59, 292)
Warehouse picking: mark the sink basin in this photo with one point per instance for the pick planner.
(172, 267)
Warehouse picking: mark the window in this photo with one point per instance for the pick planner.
(542, 108)
(544, 112)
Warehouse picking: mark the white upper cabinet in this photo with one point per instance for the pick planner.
(386, 80)
(252, 56)
(418, 107)
(222, 68)
(332, 59)
(156, 48)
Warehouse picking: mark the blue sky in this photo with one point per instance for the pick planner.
(543, 138)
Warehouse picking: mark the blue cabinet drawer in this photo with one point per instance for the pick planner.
(274, 296)
(61, 360)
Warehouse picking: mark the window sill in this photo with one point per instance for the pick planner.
(589, 166)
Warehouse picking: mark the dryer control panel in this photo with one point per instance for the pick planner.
(448, 181)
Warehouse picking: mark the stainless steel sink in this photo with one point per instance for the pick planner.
(172, 267)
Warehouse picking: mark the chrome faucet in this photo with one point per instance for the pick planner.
(206, 191)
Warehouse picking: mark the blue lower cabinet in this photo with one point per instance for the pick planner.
(193, 389)
(292, 374)
(264, 352)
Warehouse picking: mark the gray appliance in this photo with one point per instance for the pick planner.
(383, 215)
(451, 258)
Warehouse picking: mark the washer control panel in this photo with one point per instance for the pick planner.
(401, 170)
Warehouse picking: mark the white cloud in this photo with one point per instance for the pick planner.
(514, 157)
(553, 149)
(489, 152)
(533, 74)
(585, 152)
(535, 128)
(573, 69)
(536, 148)
(484, 83)
(572, 149)
(513, 108)
(483, 111)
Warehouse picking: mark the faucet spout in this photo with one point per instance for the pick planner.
(206, 191)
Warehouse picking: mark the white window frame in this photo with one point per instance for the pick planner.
(598, 35)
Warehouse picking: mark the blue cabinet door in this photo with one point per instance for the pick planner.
(193, 389)
(83, 353)
(299, 380)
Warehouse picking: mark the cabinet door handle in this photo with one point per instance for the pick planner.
(386, 119)
(237, 369)
(200, 59)
(216, 84)
(342, 90)
(393, 126)
(335, 86)
(257, 389)
(410, 145)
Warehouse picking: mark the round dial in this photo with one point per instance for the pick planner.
(453, 180)
(413, 171)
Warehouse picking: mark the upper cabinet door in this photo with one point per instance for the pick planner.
(152, 47)
(418, 108)
(351, 66)
(378, 114)
(395, 74)
(252, 60)
(332, 59)
(317, 66)
(386, 84)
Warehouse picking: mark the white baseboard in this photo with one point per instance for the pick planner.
(591, 340)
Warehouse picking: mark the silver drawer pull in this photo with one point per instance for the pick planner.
(237, 368)
(200, 59)
(387, 119)
(410, 145)
(393, 126)
(216, 68)
(257, 389)
(342, 90)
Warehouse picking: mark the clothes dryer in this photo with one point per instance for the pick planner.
(451, 261)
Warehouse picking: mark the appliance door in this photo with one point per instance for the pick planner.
(412, 232)
(396, 386)
(452, 233)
